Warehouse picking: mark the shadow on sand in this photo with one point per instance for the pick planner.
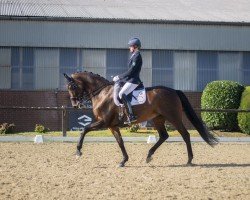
(214, 165)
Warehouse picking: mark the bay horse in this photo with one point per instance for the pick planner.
(162, 104)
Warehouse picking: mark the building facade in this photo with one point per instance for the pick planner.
(180, 56)
(185, 45)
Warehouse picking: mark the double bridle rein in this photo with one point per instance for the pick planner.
(91, 94)
(88, 96)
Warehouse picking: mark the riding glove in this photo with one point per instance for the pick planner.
(116, 78)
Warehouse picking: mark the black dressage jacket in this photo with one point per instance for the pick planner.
(134, 69)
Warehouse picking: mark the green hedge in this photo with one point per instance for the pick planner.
(221, 95)
(244, 118)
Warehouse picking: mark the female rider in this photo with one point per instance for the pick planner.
(131, 78)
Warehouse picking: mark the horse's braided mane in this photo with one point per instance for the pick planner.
(91, 74)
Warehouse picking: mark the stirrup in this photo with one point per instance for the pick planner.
(130, 120)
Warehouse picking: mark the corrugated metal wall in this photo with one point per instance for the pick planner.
(115, 35)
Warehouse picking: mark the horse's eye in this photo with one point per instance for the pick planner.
(72, 86)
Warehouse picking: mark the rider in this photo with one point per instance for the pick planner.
(131, 77)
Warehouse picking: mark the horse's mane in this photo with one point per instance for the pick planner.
(92, 75)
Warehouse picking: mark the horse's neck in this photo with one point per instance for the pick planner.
(96, 84)
(91, 81)
(104, 95)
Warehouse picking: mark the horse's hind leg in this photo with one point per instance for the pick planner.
(186, 137)
(160, 127)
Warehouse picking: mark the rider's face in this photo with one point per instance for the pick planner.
(132, 49)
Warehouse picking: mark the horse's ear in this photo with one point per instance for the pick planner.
(69, 79)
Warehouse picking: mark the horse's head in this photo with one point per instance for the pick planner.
(83, 86)
(75, 91)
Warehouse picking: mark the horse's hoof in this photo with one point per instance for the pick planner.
(121, 165)
(78, 154)
(190, 164)
(149, 159)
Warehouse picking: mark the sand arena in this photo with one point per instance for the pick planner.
(51, 171)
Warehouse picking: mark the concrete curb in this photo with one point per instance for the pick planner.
(111, 139)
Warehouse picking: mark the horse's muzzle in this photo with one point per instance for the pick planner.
(75, 103)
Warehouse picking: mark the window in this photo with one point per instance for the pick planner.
(5, 68)
(229, 65)
(69, 62)
(207, 68)
(117, 62)
(94, 60)
(46, 68)
(245, 68)
(185, 70)
(22, 68)
(162, 68)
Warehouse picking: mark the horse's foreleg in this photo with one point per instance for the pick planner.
(160, 127)
(91, 127)
(118, 137)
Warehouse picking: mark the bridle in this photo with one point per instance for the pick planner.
(87, 96)
(90, 95)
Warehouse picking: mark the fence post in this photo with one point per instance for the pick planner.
(64, 121)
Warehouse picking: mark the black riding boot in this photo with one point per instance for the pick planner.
(131, 117)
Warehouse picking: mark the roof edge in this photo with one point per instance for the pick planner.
(115, 20)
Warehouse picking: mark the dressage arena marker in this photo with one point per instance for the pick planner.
(38, 139)
(151, 139)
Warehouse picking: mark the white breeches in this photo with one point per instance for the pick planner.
(127, 88)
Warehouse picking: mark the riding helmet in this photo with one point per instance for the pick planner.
(134, 42)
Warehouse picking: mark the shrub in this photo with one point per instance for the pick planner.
(221, 95)
(6, 128)
(134, 128)
(244, 118)
(40, 128)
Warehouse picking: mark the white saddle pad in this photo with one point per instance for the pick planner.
(139, 97)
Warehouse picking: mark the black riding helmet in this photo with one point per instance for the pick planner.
(134, 42)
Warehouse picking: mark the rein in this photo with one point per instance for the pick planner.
(91, 94)
(87, 96)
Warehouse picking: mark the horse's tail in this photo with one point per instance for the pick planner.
(197, 123)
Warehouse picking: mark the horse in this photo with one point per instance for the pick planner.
(162, 104)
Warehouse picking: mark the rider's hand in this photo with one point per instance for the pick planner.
(116, 78)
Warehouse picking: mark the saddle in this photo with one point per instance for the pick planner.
(137, 97)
